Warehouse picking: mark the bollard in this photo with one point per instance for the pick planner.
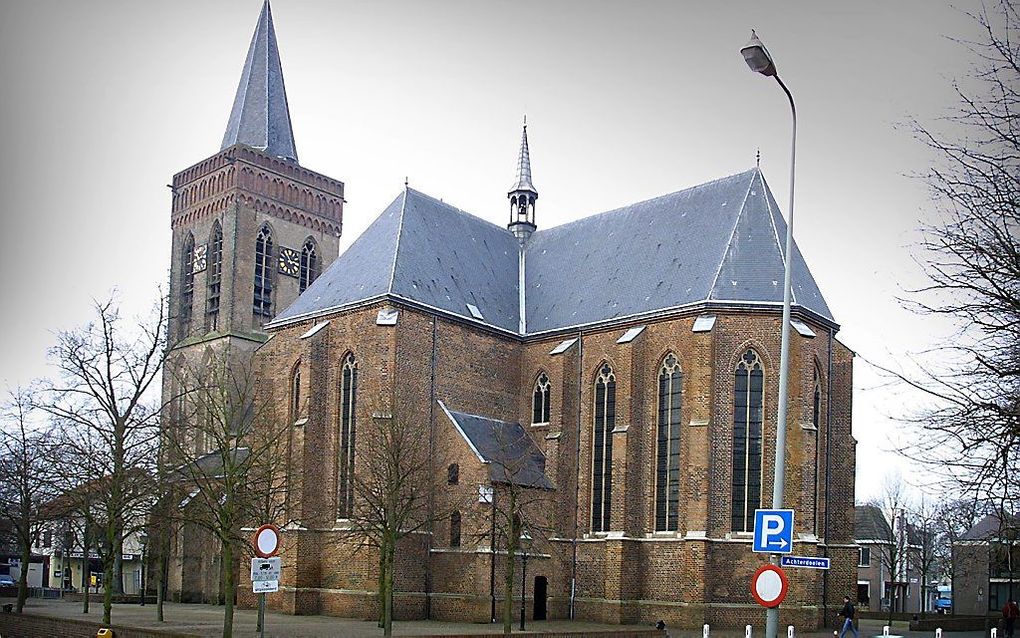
(885, 630)
(747, 631)
(938, 632)
(104, 633)
(789, 632)
(995, 632)
(704, 632)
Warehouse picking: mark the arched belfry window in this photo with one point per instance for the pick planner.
(187, 283)
(540, 400)
(345, 462)
(748, 386)
(667, 457)
(262, 300)
(602, 449)
(309, 265)
(214, 275)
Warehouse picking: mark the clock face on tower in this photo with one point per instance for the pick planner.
(290, 262)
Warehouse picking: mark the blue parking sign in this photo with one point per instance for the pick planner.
(773, 531)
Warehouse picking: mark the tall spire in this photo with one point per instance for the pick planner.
(523, 194)
(260, 117)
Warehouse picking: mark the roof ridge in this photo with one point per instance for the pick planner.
(456, 208)
(729, 240)
(787, 259)
(643, 201)
(396, 247)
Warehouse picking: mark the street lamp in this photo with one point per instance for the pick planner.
(758, 58)
(525, 542)
(143, 540)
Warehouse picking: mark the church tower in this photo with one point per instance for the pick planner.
(523, 195)
(252, 228)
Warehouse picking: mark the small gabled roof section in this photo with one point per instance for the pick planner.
(870, 524)
(991, 528)
(505, 446)
(260, 117)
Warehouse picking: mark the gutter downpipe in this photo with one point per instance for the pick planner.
(828, 457)
(577, 478)
(432, 456)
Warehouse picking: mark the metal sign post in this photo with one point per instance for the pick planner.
(265, 570)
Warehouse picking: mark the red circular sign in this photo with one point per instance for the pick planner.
(769, 585)
(266, 541)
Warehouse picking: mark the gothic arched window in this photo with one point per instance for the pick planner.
(345, 474)
(455, 529)
(262, 300)
(748, 385)
(667, 457)
(295, 393)
(540, 400)
(214, 275)
(453, 474)
(816, 401)
(187, 283)
(602, 449)
(309, 265)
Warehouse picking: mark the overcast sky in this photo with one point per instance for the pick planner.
(103, 101)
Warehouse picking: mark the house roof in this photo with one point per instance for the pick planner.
(260, 116)
(510, 452)
(991, 527)
(717, 243)
(870, 524)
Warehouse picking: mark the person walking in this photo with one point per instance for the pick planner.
(848, 613)
(1010, 612)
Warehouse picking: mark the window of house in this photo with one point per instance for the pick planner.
(453, 474)
(864, 558)
(748, 384)
(602, 453)
(262, 300)
(540, 400)
(667, 458)
(455, 529)
(187, 283)
(214, 276)
(309, 265)
(348, 392)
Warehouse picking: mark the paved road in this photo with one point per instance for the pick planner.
(206, 620)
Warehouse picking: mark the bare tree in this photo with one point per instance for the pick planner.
(971, 429)
(25, 479)
(931, 548)
(895, 545)
(223, 452)
(391, 494)
(109, 370)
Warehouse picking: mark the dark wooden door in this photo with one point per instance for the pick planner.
(541, 585)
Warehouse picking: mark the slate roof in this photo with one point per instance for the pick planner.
(870, 524)
(718, 243)
(510, 452)
(260, 116)
(990, 528)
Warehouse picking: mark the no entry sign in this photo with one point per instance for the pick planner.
(769, 585)
(266, 541)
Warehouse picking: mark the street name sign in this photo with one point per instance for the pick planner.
(773, 531)
(807, 562)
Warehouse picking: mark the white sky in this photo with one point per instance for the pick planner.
(102, 101)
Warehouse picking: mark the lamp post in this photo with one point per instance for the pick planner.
(758, 58)
(143, 540)
(525, 541)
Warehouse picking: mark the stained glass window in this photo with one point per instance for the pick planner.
(602, 453)
(540, 400)
(667, 458)
(345, 479)
(748, 385)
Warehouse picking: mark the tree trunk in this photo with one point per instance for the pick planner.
(388, 587)
(228, 593)
(164, 569)
(118, 564)
(85, 569)
(25, 541)
(382, 585)
(111, 535)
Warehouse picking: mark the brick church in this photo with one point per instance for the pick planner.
(631, 355)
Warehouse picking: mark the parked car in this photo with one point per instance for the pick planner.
(943, 605)
(6, 580)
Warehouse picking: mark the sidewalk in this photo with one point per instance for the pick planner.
(207, 621)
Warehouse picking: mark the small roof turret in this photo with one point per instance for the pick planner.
(260, 117)
(523, 183)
